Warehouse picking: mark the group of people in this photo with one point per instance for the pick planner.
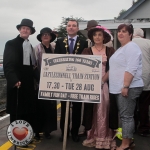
(122, 83)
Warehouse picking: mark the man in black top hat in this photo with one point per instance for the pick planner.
(19, 64)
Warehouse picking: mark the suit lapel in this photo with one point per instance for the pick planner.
(65, 43)
(75, 46)
(68, 45)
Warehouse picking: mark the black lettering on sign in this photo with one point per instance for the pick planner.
(74, 96)
(84, 96)
(89, 87)
(78, 59)
(69, 86)
(49, 84)
(45, 94)
(94, 97)
(56, 85)
(78, 86)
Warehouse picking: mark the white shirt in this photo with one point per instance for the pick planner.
(69, 41)
(126, 59)
(144, 45)
(26, 52)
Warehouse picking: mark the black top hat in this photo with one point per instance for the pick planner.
(28, 23)
(46, 30)
(90, 24)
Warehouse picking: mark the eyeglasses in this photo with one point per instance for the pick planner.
(45, 34)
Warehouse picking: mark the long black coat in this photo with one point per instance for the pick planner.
(46, 114)
(15, 71)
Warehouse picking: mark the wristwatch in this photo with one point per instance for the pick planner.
(102, 82)
(125, 87)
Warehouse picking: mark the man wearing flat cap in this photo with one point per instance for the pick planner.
(19, 65)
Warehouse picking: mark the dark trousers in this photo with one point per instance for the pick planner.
(88, 116)
(76, 117)
(113, 112)
(144, 102)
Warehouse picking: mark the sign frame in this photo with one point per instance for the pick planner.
(75, 78)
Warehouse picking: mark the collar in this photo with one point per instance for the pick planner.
(20, 38)
(137, 36)
(45, 46)
(75, 37)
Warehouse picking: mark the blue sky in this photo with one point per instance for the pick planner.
(49, 13)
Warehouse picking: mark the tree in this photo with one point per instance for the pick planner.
(121, 12)
(134, 1)
(62, 27)
(124, 10)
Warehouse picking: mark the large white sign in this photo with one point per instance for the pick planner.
(71, 78)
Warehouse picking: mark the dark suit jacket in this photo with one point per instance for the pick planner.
(61, 49)
(76, 109)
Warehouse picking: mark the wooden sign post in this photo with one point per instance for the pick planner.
(75, 78)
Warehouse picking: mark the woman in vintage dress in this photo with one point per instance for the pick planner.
(100, 136)
(47, 112)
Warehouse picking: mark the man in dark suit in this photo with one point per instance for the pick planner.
(71, 44)
(18, 62)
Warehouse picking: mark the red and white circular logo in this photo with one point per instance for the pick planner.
(20, 133)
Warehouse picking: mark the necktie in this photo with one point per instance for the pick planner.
(71, 45)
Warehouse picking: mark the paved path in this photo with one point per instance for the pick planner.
(142, 143)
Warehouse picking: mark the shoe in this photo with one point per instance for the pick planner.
(82, 134)
(47, 135)
(75, 138)
(132, 145)
(145, 133)
(62, 138)
(31, 142)
(128, 148)
(37, 136)
(26, 146)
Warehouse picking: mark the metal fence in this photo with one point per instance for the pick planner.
(2, 93)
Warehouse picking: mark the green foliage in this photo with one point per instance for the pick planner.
(121, 12)
(134, 1)
(62, 27)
